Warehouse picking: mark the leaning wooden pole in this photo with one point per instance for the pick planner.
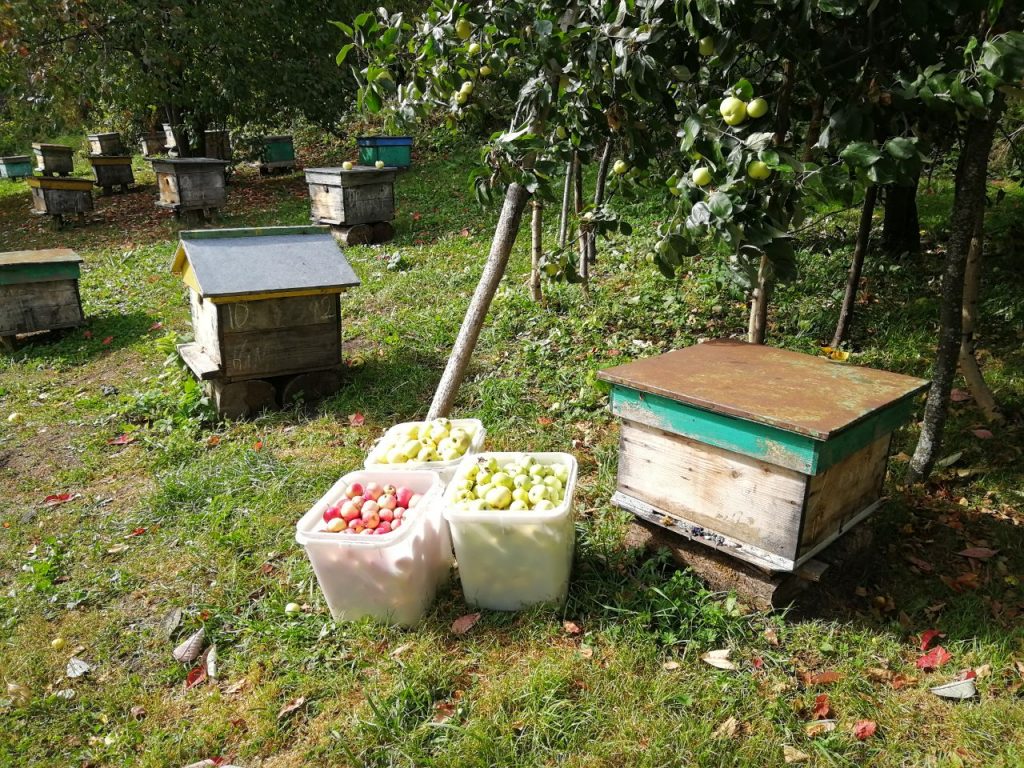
(969, 366)
(536, 248)
(501, 247)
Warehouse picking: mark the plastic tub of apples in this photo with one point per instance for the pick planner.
(512, 526)
(379, 545)
(438, 445)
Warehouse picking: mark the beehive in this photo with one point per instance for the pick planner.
(265, 311)
(38, 292)
(766, 454)
(394, 151)
(59, 198)
(278, 154)
(217, 144)
(53, 159)
(347, 198)
(112, 171)
(152, 144)
(190, 183)
(105, 144)
(15, 167)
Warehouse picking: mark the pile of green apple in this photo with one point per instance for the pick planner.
(436, 440)
(518, 485)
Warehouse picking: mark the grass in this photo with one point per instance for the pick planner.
(218, 503)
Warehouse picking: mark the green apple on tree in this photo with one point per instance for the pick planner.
(620, 167)
(701, 176)
(485, 71)
(474, 49)
(757, 108)
(706, 46)
(758, 170)
(463, 28)
(733, 110)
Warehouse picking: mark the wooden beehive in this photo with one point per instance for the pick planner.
(278, 154)
(395, 151)
(59, 198)
(105, 144)
(360, 200)
(54, 159)
(15, 167)
(153, 144)
(766, 454)
(217, 144)
(190, 183)
(112, 171)
(265, 311)
(38, 292)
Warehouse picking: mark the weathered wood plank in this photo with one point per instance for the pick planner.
(31, 307)
(206, 326)
(837, 495)
(240, 399)
(251, 354)
(728, 493)
(202, 366)
(273, 314)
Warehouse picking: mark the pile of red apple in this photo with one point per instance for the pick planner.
(370, 510)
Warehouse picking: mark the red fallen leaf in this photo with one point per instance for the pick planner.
(136, 532)
(822, 707)
(922, 565)
(545, 421)
(982, 434)
(107, 340)
(959, 396)
(969, 674)
(934, 659)
(121, 440)
(55, 499)
(156, 326)
(356, 419)
(978, 553)
(614, 353)
(572, 627)
(864, 729)
(86, 334)
(822, 678)
(928, 637)
(258, 445)
(758, 662)
(463, 624)
(196, 676)
(464, 232)
(213, 440)
(902, 681)
(152, 278)
(417, 216)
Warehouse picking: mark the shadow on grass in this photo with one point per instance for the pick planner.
(99, 335)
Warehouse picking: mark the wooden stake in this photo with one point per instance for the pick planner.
(856, 266)
(563, 220)
(536, 249)
(969, 366)
(501, 246)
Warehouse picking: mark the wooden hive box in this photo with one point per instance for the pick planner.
(190, 183)
(105, 144)
(15, 167)
(766, 454)
(394, 151)
(60, 197)
(54, 159)
(152, 144)
(112, 171)
(217, 144)
(38, 292)
(348, 198)
(278, 154)
(265, 308)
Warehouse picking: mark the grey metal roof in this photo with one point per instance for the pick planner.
(264, 260)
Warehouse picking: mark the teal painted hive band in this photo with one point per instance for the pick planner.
(278, 149)
(15, 167)
(395, 151)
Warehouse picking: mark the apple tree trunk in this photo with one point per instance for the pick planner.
(901, 228)
(860, 249)
(969, 366)
(759, 303)
(968, 206)
(563, 218)
(494, 269)
(599, 192)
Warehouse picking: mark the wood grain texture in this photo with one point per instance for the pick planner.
(840, 493)
(202, 366)
(738, 496)
(31, 307)
(240, 399)
(61, 202)
(206, 326)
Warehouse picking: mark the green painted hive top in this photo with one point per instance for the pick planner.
(791, 391)
(47, 256)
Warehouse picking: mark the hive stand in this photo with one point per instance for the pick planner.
(60, 198)
(764, 455)
(359, 203)
(38, 292)
(266, 314)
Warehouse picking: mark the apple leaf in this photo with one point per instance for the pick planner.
(934, 659)
(928, 637)
(822, 707)
(864, 729)
(291, 706)
(978, 553)
(463, 624)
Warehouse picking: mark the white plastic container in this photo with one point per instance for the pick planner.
(509, 560)
(446, 469)
(393, 578)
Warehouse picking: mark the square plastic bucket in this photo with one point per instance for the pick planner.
(510, 560)
(446, 469)
(392, 578)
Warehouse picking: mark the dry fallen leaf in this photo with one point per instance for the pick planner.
(463, 624)
(76, 668)
(727, 729)
(400, 650)
(670, 666)
(978, 553)
(959, 396)
(236, 687)
(822, 707)
(821, 678)
(572, 627)
(819, 727)
(443, 711)
(586, 652)
(982, 434)
(138, 713)
(772, 637)
(189, 650)
(793, 755)
(864, 729)
(291, 706)
(718, 659)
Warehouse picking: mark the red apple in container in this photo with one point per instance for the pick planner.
(356, 489)
(373, 491)
(330, 513)
(403, 497)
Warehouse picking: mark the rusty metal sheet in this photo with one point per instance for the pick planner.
(792, 391)
(45, 256)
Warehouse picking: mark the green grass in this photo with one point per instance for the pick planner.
(518, 689)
